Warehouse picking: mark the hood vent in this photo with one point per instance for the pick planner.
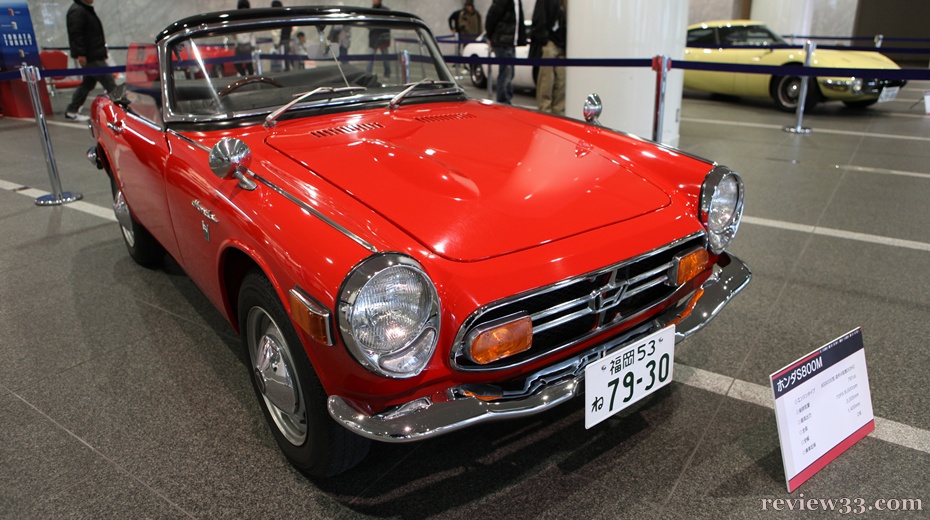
(347, 129)
(444, 117)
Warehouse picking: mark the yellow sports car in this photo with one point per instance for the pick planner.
(745, 42)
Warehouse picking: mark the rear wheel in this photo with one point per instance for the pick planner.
(478, 79)
(142, 246)
(786, 91)
(289, 393)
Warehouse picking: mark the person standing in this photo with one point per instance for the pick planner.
(379, 41)
(505, 32)
(282, 40)
(89, 48)
(468, 24)
(549, 34)
(245, 44)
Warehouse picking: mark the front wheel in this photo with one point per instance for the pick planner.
(478, 79)
(142, 246)
(786, 91)
(289, 393)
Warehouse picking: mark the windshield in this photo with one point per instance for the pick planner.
(749, 36)
(251, 72)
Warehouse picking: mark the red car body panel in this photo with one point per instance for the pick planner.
(554, 241)
(512, 184)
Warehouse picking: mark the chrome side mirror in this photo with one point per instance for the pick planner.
(592, 109)
(232, 157)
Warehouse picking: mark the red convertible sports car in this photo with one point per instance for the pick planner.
(400, 260)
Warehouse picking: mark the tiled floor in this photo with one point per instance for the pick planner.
(123, 394)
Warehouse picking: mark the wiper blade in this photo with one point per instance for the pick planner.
(396, 100)
(272, 117)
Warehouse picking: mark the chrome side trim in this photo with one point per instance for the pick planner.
(147, 122)
(303, 205)
(457, 407)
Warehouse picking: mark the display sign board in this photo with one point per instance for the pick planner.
(823, 406)
(927, 102)
(17, 37)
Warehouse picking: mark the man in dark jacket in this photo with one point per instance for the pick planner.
(549, 36)
(379, 41)
(505, 32)
(89, 48)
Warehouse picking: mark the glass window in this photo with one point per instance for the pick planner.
(254, 71)
(750, 36)
(702, 37)
(143, 86)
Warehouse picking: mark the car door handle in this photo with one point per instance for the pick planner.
(116, 128)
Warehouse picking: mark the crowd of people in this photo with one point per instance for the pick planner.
(504, 29)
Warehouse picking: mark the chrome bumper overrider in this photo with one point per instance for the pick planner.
(458, 407)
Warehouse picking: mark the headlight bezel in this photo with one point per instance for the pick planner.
(719, 237)
(422, 342)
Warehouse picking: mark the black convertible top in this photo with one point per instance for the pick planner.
(270, 14)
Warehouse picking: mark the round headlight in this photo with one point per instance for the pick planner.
(389, 315)
(721, 207)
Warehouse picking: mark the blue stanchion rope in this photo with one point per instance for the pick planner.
(776, 70)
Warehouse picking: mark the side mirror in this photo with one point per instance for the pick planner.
(232, 157)
(592, 109)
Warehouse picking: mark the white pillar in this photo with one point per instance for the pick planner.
(784, 16)
(627, 29)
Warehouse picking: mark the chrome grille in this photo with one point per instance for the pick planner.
(571, 311)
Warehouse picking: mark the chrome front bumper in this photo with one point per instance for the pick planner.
(458, 407)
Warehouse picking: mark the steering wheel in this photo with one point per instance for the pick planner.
(248, 81)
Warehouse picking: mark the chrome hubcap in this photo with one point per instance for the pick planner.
(274, 376)
(272, 367)
(790, 90)
(123, 217)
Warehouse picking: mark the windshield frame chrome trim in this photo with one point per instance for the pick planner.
(169, 116)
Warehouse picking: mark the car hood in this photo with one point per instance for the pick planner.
(852, 59)
(470, 180)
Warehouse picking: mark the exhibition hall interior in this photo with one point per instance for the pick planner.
(353, 259)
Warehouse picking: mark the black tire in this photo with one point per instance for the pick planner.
(858, 105)
(289, 393)
(142, 246)
(478, 78)
(787, 89)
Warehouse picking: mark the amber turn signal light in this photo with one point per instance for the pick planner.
(688, 266)
(311, 317)
(503, 340)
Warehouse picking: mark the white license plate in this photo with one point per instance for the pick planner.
(888, 94)
(628, 375)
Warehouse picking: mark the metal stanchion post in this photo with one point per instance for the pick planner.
(30, 75)
(661, 64)
(809, 48)
(490, 73)
(257, 61)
